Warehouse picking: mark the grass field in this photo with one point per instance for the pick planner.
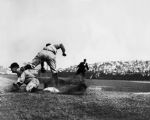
(103, 100)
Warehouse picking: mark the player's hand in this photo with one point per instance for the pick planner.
(64, 54)
(28, 66)
(22, 69)
(16, 87)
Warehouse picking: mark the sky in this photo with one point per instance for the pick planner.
(98, 30)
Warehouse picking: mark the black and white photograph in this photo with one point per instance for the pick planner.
(74, 60)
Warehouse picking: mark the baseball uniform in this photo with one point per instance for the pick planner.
(48, 54)
(29, 78)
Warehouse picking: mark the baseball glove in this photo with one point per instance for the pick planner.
(15, 87)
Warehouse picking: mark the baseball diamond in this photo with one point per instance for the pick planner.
(74, 60)
(111, 99)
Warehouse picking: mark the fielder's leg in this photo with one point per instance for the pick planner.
(52, 64)
(56, 80)
(42, 66)
(36, 60)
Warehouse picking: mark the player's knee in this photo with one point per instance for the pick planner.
(28, 88)
(31, 88)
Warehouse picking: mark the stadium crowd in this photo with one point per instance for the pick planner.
(117, 68)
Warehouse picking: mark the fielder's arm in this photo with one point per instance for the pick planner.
(21, 79)
(61, 46)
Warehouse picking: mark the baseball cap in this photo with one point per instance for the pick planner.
(48, 44)
(15, 64)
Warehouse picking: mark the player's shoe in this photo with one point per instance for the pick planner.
(43, 70)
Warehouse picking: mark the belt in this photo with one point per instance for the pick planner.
(50, 51)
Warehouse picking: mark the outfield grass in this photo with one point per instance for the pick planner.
(115, 103)
(121, 85)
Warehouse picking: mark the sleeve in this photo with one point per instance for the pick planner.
(79, 65)
(21, 79)
(60, 46)
(87, 66)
